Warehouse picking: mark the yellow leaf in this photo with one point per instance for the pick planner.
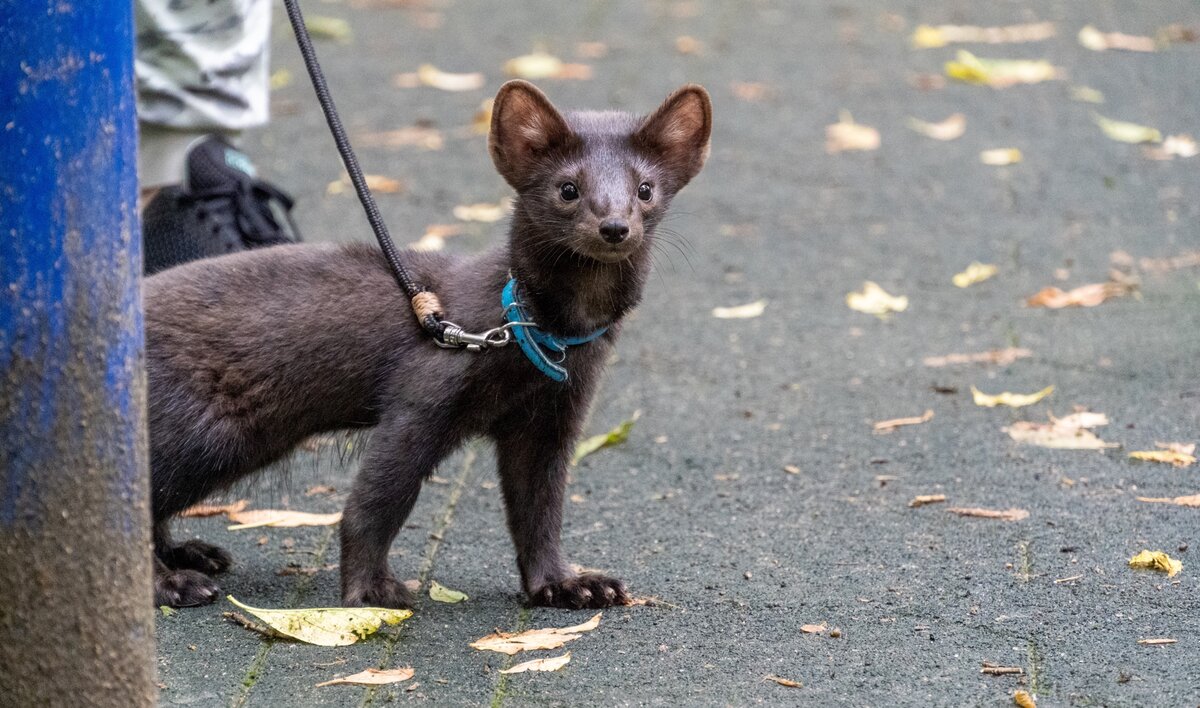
(1068, 433)
(874, 300)
(441, 593)
(372, 677)
(1086, 94)
(321, 27)
(540, 65)
(1190, 500)
(1156, 560)
(1012, 400)
(280, 518)
(214, 509)
(280, 79)
(975, 273)
(1125, 132)
(553, 663)
(949, 129)
(740, 312)
(1024, 699)
(327, 626)
(999, 73)
(926, 37)
(483, 211)
(430, 75)
(998, 157)
(481, 122)
(533, 639)
(616, 436)
(887, 426)
(1000, 514)
(1173, 457)
(848, 135)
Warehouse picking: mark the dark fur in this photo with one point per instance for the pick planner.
(251, 353)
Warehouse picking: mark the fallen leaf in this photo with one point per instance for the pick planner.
(848, 135)
(751, 91)
(1126, 132)
(1173, 146)
(791, 469)
(540, 65)
(553, 663)
(783, 681)
(214, 509)
(481, 122)
(322, 27)
(485, 212)
(1086, 94)
(1002, 357)
(167, 611)
(1067, 433)
(927, 37)
(327, 626)
(949, 129)
(1191, 259)
(1172, 453)
(1157, 641)
(813, 628)
(1000, 73)
(1098, 41)
(688, 45)
(976, 272)
(1000, 514)
(1024, 699)
(923, 499)
(422, 136)
(998, 157)
(740, 312)
(372, 677)
(1006, 398)
(377, 183)
(997, 670)
(1090, 295)
(430, 75)
(280, 518)
(874, 300)
(887, 426)
(434, 238)
(1156, 560)
(534, 639)
(441, 593)
(280, 78)
(616, 436)
(1190, 500)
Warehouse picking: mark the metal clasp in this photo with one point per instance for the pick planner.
(455, 337)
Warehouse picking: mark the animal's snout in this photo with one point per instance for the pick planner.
(614, 230)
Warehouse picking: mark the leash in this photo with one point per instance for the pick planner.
(532, 340)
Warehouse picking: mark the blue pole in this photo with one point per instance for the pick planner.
(76, 615)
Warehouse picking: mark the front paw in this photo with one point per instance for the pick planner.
(383, 591)
(184, 588)
(584, 590)
(198, 555)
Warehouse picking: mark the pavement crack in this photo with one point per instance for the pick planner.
(501, 690)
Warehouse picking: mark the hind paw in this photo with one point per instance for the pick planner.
(198, 555)
(184, 588)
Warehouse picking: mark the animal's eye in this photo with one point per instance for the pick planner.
(645, 192)
(568, 191)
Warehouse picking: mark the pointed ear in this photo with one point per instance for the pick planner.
(525, 126)
(678, 132)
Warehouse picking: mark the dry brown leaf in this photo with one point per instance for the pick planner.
(1156, 560)
(1157, 641)
(951, 128)
(378, 183)
(372, 677)
(214, 509)
(887, 426)
(540, 65)
(1090, 295)
(430, 75)
(1007, 398)
(1098, 41)
(783, 681)
(688, 45)
(483, 211)
(553, 663)
(1024, 700)
(791, 469)
(751, 91)
(1068, 433)
(923, 499)
(529, 640)
(847, 135)
(740, 312)
(1002, 357)
(1177, 454)
(422, 136)
(813, 628)
(1000, 514)
(280, 518)
(434, 238)
(927, 37)
(1189, 500)
(999, 157)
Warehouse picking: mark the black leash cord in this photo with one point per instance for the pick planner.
(431, 322)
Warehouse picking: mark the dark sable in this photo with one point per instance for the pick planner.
(251, 353)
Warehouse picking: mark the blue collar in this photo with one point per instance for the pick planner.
(535, 342)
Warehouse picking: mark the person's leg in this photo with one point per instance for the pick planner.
(202, 78)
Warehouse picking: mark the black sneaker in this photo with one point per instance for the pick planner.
(222, 207)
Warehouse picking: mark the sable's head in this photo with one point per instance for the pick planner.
(596, 183)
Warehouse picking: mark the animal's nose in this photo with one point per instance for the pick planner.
(614, 230)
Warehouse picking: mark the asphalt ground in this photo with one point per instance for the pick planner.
(696, 508)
